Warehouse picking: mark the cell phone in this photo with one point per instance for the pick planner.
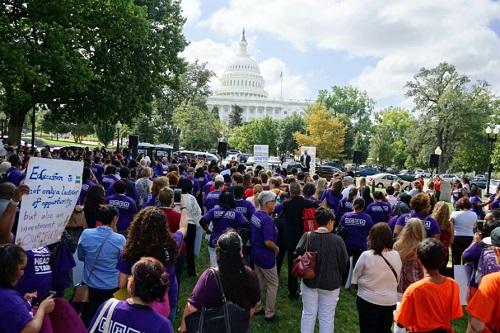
(480, 224)
(177, 196)
(47, 295)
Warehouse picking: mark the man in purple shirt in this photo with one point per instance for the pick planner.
(97, 169)
(244, 206)
(196, 184)
(130, 189)
(14, 174)
(212, 198)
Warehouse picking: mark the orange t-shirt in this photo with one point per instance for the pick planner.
(484, 304)
(427, 306)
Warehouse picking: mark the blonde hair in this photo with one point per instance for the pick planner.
(441, 214)
(158, 184)
(362, 182)
(409, 238)
(257, 189)
(320, 188)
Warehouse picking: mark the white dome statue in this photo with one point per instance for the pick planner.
(242, 76)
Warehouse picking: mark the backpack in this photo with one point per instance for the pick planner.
(487, 264)
(308, 219)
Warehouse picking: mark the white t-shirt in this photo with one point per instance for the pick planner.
(392, 200)
(345, 192)
(376, 281)
(464, 220)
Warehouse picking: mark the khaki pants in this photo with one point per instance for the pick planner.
(268, 277)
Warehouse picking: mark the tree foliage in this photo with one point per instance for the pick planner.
(235, 117)
(256, 132)
(88, 58)
(453, 114)
(353, 108)
(323, 131)
(291, 124)
(390, 137)
(105, 132)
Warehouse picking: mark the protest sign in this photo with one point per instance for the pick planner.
(261, 155)
(54, 189)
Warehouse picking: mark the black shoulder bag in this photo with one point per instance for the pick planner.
(224, 319)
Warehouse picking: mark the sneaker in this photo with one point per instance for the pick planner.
(273, 319)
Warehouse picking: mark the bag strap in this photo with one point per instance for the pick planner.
(307, 242)
(114, 303)
(97, 256)
(391, 267)
(223, 297)
(98, 319)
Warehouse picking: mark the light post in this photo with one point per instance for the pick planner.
(118, 126)
(438, 152)
(3, 116)
(491, 139)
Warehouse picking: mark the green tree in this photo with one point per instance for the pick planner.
(391, 136)
(199, 129)
(453, 113)
(291, 124)
(215, 112)
(235, 117)
(105, 132)
(256, 132)
(354, 109)
(323, 131)
(89, 58)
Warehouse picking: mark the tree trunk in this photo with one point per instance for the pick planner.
(15, 126)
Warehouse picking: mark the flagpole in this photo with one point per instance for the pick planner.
(281, 93)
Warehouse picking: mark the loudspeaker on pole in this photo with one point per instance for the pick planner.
(357, 155)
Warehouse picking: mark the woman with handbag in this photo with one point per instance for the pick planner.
(238, 282)
(148, 283)
(377, 275)
(321, 293)
(429, 305)
(99, 248)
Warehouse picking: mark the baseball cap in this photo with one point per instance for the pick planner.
(219, 178)
(190, 169)
(494, 238)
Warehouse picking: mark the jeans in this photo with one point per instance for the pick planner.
(96, 298)
(374, 318)
(189, 239)
(321, 303)
(268, 277)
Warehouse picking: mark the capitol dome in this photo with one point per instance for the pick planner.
(242, 76)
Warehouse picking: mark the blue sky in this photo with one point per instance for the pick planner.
(373, 45)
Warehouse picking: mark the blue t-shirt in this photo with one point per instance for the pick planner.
(262, 229)
(430, 225)
(358, 226)
(379, 211)
(246, 208)
(221, 220)
(126, 207)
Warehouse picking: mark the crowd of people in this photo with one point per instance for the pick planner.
(144, 220)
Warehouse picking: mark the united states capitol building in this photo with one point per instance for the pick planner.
(243, 85)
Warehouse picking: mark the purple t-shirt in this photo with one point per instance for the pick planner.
(262, 229)
(212, 199)
(430, 225)
(126, 207)
(379, 211)
(14, 311)
(206, 294)
(358, 226)
(196, 184)
(478, 210)
(206, 188)
(208, 175)
(37, 274)
(130, 189)
(151, 200)
(126, 268)
(222, 219)
(246, 208)
(332, 199)
(14, 175)
(108, 180)
(202, 181)
(133, 318)
(98, 171)
(85, 188)
(456, 193)
(392, 223)
(344, 207)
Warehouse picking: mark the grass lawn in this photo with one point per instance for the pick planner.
(346, 316)
(66, 142)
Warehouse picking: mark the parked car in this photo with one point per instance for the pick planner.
(449, 177)
(382, 180)
(493, 186)
(274, 162)
(38, 142)
(250, 161)
(366, 172)
(423, 173)
(243, 157)
(335, 165)
(406, 175)
(290, 165)
(327, 171)
(191, 153)
(479, 182)
(392, 170)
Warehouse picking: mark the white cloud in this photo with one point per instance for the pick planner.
(294, 85)
(402, 35)
(191, 10)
